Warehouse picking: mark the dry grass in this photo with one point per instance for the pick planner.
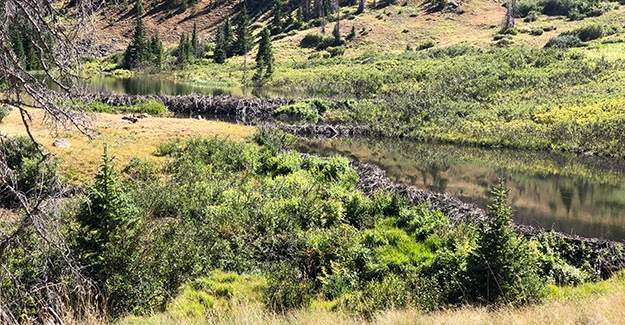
(602, 303)
(125, 140)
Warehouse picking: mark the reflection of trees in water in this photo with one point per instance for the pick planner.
(567, 188)
(566, 194)
(436, 170)
(539, 197)
(583, 189)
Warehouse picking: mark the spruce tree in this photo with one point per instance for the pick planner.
(299, 18)
(107, 229)
(336, 33)
(195, 43)
(228, 41)
(156, 50)
(264, 58)
(501, 270)
(244, 34)
(220, 55)
(277, 17)
(137, 51)
(17, 42)
(185, 50)
(361, 7)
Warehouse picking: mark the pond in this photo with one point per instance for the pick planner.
(147, 85)
(583, 195)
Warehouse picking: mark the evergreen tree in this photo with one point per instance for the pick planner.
(107, 239)
(32, 58)
(185, 50)
(336, 32)
(137, 51)
(245, 39)
(500, 270)
(195, 43)
(317, 8)
(264, 58)
(220, 55)
(228, 40)
(299, 18)
(361, 7)
(156, 50)
(277, 17)
(17, 42)
(352, 33)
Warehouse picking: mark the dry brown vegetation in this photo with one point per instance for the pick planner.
(125, 140)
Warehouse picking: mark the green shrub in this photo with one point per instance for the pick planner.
(274, 140)
(586, 33)
(536, 31)
(309, 110)
(317, 40)
(338, 282)
(150, 107)
(501, 36)
(286, 289)
(564, 42)
(572, 9)
(336, 51)
(34, 174)
(510, 31)
(426, 45)
(532, 16)
(100, 107)
(392, 292)
(549, 28)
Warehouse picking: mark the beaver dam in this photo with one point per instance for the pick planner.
(608, 255)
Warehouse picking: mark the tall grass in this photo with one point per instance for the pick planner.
(600, 303)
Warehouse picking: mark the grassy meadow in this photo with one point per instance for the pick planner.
(125, 140)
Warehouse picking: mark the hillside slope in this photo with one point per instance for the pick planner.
(388, 29)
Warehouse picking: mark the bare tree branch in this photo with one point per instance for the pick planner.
(54, 31)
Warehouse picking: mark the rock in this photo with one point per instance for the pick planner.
(142, 115)
(61, 143)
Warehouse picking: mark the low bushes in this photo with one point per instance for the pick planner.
(564, 42)
(299, 224)
(150, 106)
(574, 10)
(317, 40)
(309, 110)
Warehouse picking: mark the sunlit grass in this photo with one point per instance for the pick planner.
(125, 140)
(592, 303)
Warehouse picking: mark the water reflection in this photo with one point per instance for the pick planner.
(146, 85)
(568, 193)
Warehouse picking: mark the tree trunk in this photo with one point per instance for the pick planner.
(361, 6)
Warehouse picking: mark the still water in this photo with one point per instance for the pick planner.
(145, 85)
(564, 192)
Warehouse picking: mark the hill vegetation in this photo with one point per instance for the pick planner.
(205, 229)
